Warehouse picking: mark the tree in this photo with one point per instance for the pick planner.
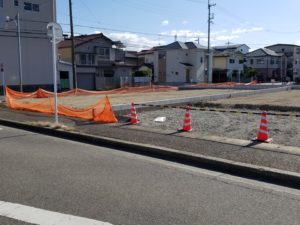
(250, 72)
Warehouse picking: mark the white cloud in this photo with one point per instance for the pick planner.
(219, 32)
(185, 22)
(297, 42)
(225, 37)
(184, 33)
(134, 41)
(165, 23)
(245, 30)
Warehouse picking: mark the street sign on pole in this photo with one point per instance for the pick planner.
(55, 33)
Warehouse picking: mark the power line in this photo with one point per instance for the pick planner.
(124, 31)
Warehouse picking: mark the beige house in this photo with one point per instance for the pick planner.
(101, 62)
(228, 62)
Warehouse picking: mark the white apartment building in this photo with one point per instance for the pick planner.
(36, 50)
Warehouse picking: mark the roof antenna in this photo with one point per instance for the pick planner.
(159, 40)
(175, 37)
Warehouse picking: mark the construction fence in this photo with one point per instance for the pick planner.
(99, 112)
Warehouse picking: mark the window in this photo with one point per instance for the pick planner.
(28, 6)
(83, 59)
(1, 3)
(201, 59)
(260, 61)
(108, 73)
(35, 7)
(86, 59)
(272, 61)
(103, 53)
(231, 61)
(251, 61)
(16, 2)
(162, 55)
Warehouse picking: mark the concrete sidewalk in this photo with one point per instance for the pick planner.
(266, 155)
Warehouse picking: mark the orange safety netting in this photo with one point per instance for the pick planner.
(41, 93)
(100, 112)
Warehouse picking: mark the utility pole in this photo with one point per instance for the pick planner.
(73, 46)
(3, 78)
(17, 22)
(20, 52)
(209, 58)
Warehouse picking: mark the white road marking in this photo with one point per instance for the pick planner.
(42, 217)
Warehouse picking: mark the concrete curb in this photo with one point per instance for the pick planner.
(280, 177)
(276, 148)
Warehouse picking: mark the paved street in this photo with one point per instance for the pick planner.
(62, 178)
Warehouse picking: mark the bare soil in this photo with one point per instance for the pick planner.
(284, 130)
(286, 98)
(88, 100)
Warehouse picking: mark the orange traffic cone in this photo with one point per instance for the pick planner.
(263, 129)
(134, 119)
(187, 120)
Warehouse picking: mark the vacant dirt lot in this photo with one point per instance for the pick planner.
(287, 98)
(84, 101)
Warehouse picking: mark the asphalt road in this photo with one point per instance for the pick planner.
(121, 188)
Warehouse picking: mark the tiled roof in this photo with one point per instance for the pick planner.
(223, 47)
(181, 45)
(263, 52)
(79, 40)
(282, 45)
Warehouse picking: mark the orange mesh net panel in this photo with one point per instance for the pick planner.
(41, 93)
(100, 112)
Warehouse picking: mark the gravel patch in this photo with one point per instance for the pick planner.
(284, 130)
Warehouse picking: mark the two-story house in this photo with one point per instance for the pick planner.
(36, 67)
(228, 62)
(179, 62)
(292, 54)
(268, 64)
(100, 62)
(146, 62)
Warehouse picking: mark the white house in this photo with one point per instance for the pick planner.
(179, 62)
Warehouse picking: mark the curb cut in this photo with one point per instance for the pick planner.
(275, 176)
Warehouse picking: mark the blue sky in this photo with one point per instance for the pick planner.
(141, 24)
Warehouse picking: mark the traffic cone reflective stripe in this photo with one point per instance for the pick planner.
(187, 120)
(134, 119)
(263, 129)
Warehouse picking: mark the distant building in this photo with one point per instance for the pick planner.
(35, 45)
(146, 62)
(292, 55)
(179, 62)
(268, 64)
(100, 62)
(228, 62)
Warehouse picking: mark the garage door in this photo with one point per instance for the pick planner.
(86, 81)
